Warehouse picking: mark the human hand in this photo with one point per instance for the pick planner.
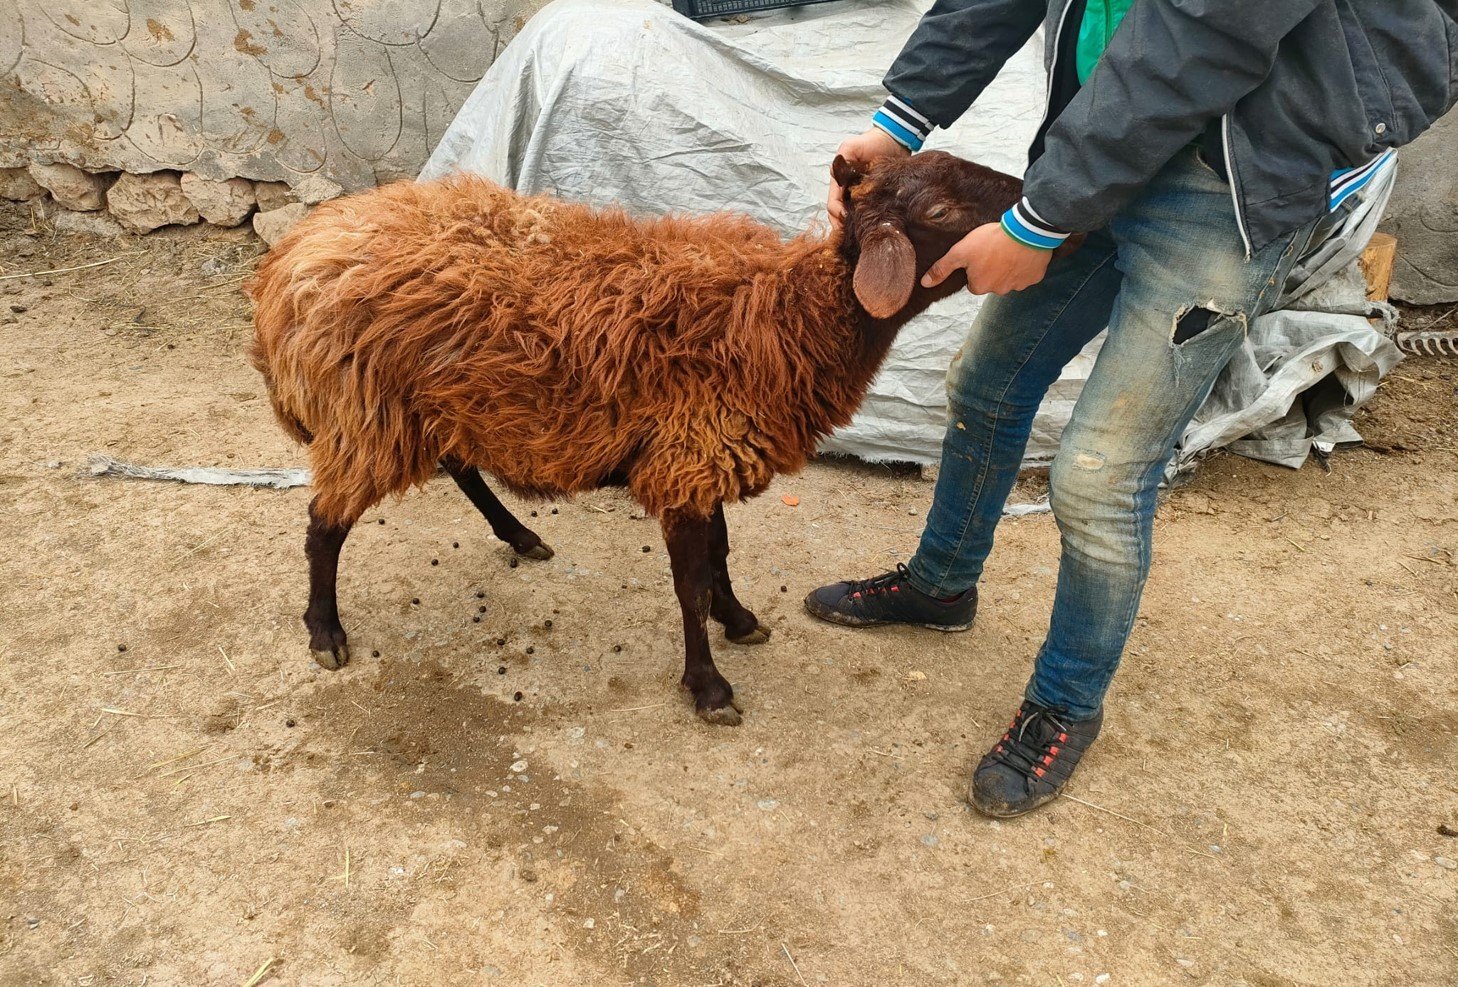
(860, 151)
(995, 263)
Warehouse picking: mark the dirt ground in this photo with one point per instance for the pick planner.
(186, 799)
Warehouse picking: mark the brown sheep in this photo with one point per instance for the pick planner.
(560, 348)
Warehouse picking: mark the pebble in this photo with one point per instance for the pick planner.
(374, 654)
(417, 795)
(501, 670)
(516, 697)
(768, 805)
(577, 733)
(121, 647)
(1102, 978)
(590, 923)
(512, 563)
(1446, 863)
(480, 594)
(435, 561)
(930, 839)
(517, 767)
(647, 549)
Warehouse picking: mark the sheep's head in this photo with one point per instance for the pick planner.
(903, 214)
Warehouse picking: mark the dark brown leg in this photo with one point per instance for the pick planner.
(688, 551)
(326, 635)
(740, 625)
(523, 540)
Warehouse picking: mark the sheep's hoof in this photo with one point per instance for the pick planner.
(759, 635)
(722, 716)
(539, 551)
(333, 659)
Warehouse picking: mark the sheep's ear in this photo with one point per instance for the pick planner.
(845, 174)
(885, 274)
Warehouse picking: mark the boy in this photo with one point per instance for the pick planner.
(1201, 146)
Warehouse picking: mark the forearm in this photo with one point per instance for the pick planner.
(958, 47)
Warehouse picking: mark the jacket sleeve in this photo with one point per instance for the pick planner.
(1171, 68)
(956, 50)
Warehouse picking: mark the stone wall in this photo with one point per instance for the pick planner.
(326, 94)
(1423, 215)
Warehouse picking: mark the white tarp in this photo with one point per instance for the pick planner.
(626, 102)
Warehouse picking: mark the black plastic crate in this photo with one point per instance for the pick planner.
(703, 9)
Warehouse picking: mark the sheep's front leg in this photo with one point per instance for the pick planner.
(740, 625)
(688, 551)
(322, 544)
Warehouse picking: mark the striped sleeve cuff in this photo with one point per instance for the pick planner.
(1026, 227)
(906, 126)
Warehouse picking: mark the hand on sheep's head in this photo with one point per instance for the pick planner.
(928, 214)
(995, 263)
(859, 151)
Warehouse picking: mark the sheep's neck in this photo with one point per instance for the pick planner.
(863, 341)
(855, 344)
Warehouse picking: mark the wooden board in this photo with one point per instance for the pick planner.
(1377, 261)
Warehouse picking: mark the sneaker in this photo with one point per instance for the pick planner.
(1032, 762)
(891, 599)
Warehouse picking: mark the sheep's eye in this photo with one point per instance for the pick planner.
(937, 213)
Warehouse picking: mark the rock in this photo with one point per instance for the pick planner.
(17, 185)
(70, 186)
(274, 223)
(316, 189)
(145, 202)
(225, 203)
(273, 195)
(1423, 215)
(95, 223)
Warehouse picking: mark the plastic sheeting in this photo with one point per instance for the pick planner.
(626, 102)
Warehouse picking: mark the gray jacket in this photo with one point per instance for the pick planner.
(1287, 95)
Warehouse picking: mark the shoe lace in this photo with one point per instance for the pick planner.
(877, 585)
(1031, 755)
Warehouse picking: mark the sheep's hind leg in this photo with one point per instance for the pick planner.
(741, 626)
(322, 544)
(688, 551)
(523, 540)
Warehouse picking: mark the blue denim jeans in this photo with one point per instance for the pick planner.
(1170, 280)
